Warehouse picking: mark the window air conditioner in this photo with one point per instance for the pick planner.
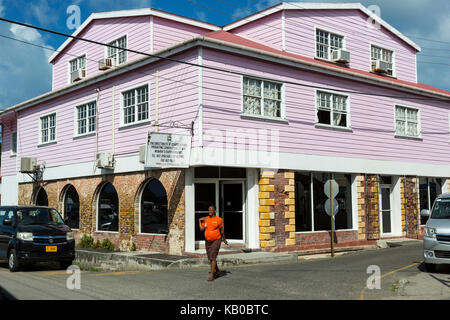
(27, 165)
(380, 66)
(77, 75)
(105, 64)
(341, 56)
(105, 160)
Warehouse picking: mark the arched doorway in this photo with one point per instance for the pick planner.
(108, 209)
(71, 207)
(41, 198)
(153, 208)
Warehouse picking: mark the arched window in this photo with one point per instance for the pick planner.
(41, 198)
(72, 207)
(154, 208)
(108, 209)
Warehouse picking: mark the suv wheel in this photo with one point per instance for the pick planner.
(13, 262)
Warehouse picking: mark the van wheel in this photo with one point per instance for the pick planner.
(430, 267)
(13, 262)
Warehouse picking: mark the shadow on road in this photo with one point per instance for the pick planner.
(440, 269)
(48, 266)
(5, 295)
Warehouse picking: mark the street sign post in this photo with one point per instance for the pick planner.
(331, 189)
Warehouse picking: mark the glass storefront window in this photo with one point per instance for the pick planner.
(429, 190)
(305, 214)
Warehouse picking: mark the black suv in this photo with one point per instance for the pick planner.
(34, 234)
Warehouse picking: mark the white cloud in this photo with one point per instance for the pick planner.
(25, 33)
(2, 8)
(200, 15)
(24, 69)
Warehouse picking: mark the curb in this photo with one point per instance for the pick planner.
(116, 261)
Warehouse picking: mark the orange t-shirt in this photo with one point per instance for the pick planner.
(212, 226)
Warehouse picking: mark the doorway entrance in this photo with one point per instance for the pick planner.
(385, 206)
(229, 199)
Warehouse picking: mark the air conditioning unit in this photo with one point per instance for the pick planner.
(380, 66)
(341, 56)
(105, 160)
(105, 64)
(27, 165)
(77, 75)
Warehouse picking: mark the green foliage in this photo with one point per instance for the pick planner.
(88, 242)
(133, 247)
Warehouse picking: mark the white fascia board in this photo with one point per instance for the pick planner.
(228, 157)
(322, 6)
(132, 13)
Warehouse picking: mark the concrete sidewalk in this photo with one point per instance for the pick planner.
(146, 261)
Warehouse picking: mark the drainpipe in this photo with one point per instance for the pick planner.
(365, 206)
(96, 118)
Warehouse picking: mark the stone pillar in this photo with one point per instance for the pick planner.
(277, 209)
(410, 206)
(361, 207)
(372, 207)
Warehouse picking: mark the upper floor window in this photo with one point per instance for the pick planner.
(118, 54)
(135, 105)
(86, 118)
(77, 68)
(326, 43)
(13, 143)
(262, 98)
(48, 128)
(332, 109)
(384, 55)
(407, 121)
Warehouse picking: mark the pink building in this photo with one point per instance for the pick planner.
(271, 107)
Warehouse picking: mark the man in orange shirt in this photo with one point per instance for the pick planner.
(213, 227)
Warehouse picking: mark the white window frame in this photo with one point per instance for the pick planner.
(344, 42)
(331, 125)
(394, 72)
(40, 142)
(282, 116)
(419, 122)
(69, 69)
(13, 153)
(136, 122)
(75, 126)
(116, 62)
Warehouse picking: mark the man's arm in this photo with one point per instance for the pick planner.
(223, 236)
(200, 225)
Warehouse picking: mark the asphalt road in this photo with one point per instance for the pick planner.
(343, 277)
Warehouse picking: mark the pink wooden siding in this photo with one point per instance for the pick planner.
(9, 125)
(167, 32)
(137, 30)
(372, 117)
(266, 31)
(178, 102)
(353, 25)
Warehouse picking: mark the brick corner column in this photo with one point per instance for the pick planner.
(360, 186)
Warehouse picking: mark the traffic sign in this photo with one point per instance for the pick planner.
(335, 188)
(335, 207)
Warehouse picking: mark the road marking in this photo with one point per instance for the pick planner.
(361, 295)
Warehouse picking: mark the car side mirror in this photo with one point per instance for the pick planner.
(7, 222)
(425, 213)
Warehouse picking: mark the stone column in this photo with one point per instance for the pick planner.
(410, 206)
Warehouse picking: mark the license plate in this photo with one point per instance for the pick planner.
(51, 248)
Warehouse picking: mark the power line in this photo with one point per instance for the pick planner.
(221, 69)
(296, 104)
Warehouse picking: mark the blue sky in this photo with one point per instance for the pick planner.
(25, 72)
